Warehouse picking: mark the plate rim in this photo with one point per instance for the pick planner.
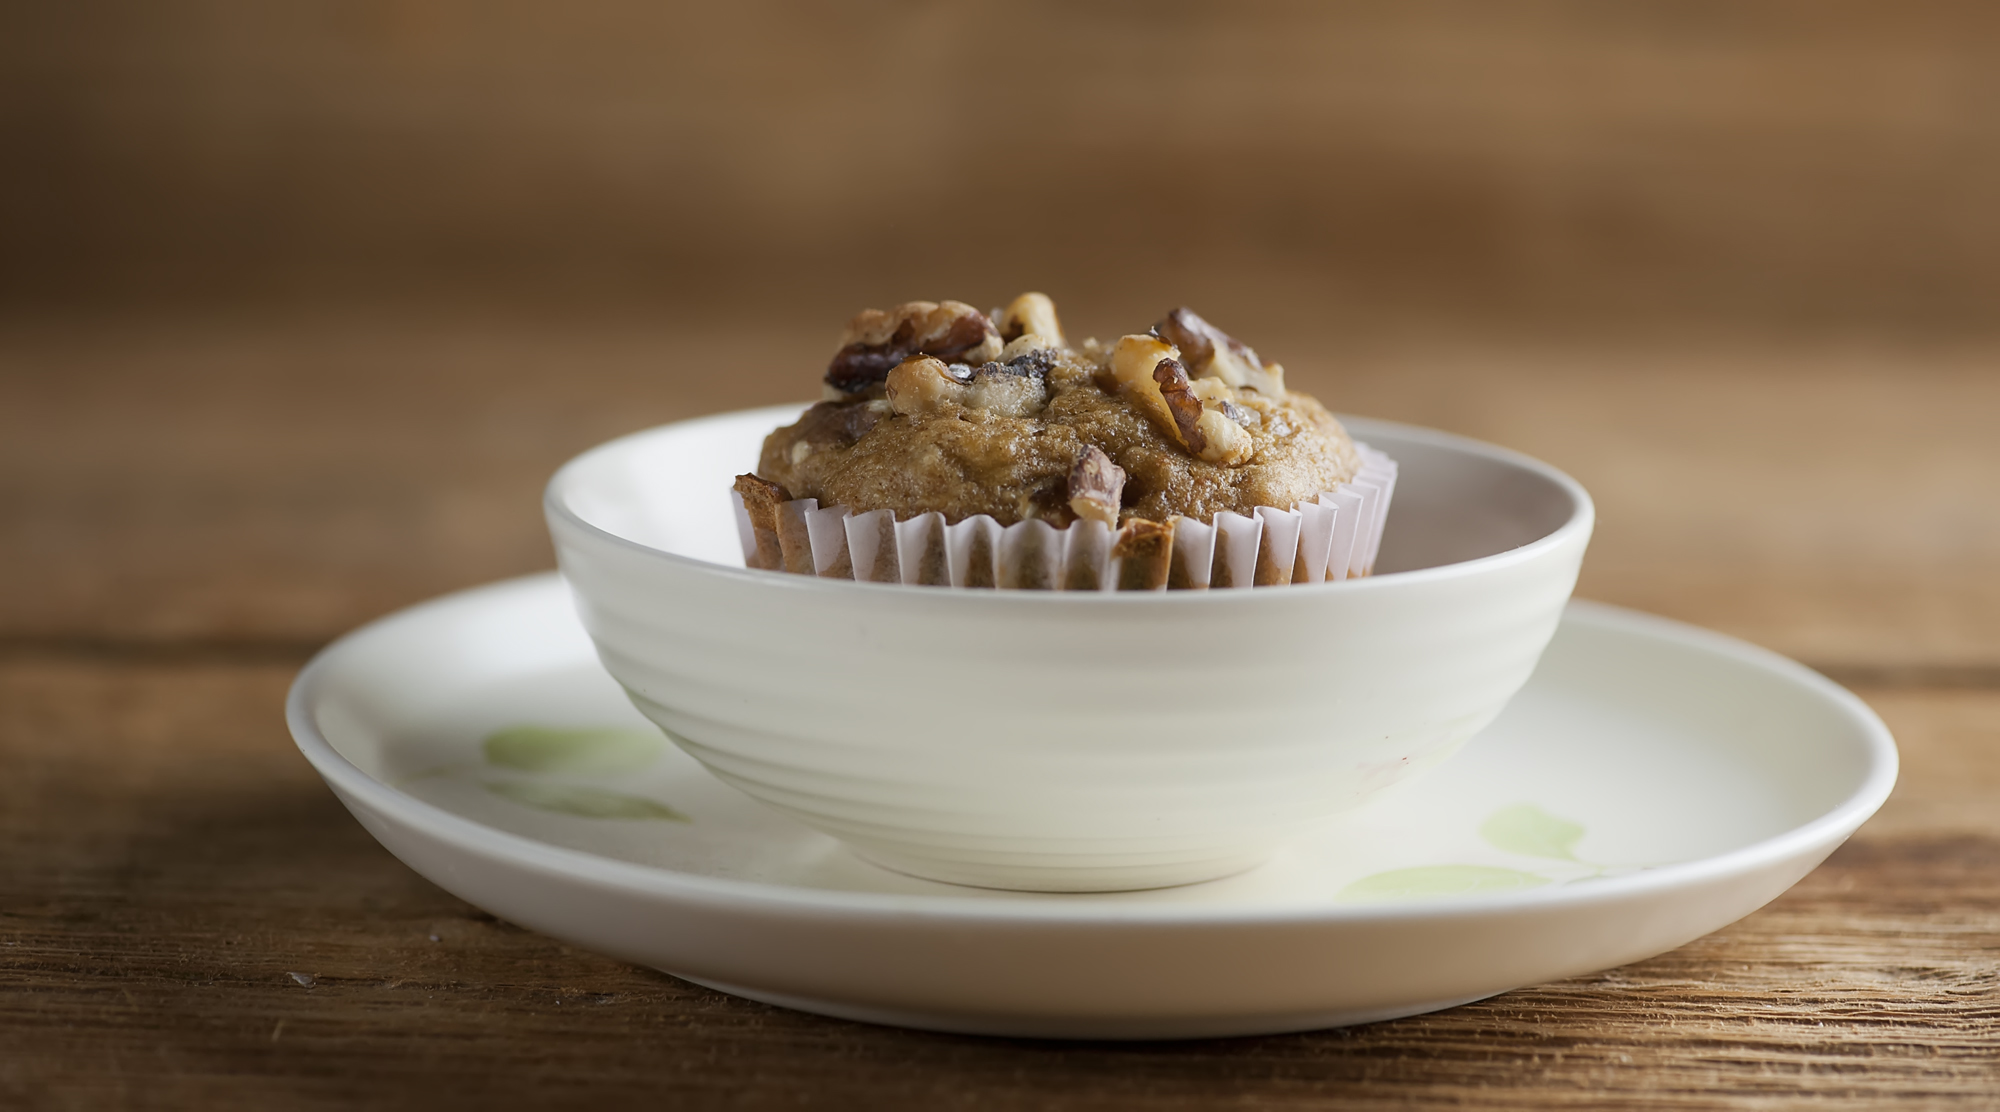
(1827, 829)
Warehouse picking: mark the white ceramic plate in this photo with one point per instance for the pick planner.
(1652, 783)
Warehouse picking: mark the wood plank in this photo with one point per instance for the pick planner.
(168, 862)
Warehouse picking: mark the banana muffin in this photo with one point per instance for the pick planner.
(938, 407)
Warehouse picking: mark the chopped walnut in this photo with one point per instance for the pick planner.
(1241, 414)
(1213, 392)
(1132, 363)
(924, 385)
(1031, 319)
(1211, 352)
(1224, 441)
(761, 499)
(1218, 395)
(997, 388)
(1095, 484)
(1023, 345)
(876, 342)
(1182, 405)
(1148, 370)
(1037, 362)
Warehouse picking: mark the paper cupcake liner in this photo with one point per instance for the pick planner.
(1334, 535)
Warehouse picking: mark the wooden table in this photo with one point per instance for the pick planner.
(188, 507)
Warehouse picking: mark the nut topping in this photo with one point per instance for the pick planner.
(1213, 392)
(923, 384)
(932, 407)
(1002, 390)
(1212, 352)
(1019, 346)
(1132, 363)
(1148, 370)
(876, 342)
(1182, 405)
(1095, 484)
(1036, 362)
(1241, 414)
(1031, 315)
(1224, 441)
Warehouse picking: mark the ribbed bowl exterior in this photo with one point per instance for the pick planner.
(1062, 741)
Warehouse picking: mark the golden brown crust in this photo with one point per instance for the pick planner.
(1003, 438)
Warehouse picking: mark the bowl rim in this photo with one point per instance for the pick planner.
(1581, 520)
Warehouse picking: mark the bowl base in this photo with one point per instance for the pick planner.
(1098, 877)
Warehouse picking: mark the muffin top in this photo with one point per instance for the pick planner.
(935, 406)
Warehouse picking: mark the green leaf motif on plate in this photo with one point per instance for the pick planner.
(589, 751)
(1527, 829)
(588, 803)
(1436, 881)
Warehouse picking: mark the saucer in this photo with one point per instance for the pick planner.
(1652, 783)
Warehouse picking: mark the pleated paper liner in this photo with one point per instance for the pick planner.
(1334, 535)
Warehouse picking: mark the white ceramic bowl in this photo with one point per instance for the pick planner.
(1065, 741)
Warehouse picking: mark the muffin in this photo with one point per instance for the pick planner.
(1166, 449)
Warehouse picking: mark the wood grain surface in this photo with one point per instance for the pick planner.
(192, 507)
(300, 304)
(173, 871)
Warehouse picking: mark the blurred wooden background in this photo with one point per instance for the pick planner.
(1745, 250)
(1577, 164)
(300, 304)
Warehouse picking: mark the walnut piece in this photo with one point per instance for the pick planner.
(1242, 415)
(1223, 440)
(1211, 352)
(876, 342)
(924, 385)
(1030, 320)
(1182, 405)
(1132, 363)
(998, 389)
(1148, 370)
(761, 499)
(1095, 485)
(1213, 392)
